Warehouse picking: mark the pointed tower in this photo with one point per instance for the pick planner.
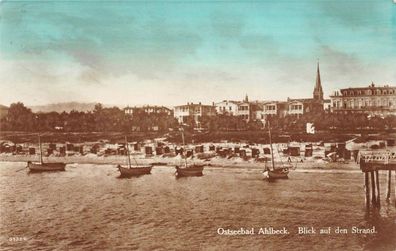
(318, 91)
(246, 99)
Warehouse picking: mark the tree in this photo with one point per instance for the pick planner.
(20, 118)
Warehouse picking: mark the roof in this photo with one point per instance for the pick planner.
(147, 106)
(193, 105)
(229, 101)
(367, 138)
(372, 86)
(303, 100)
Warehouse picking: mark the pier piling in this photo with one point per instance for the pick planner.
(378, 188)
(389, 186)
(373, 197)
(372, 162)
(367, 189)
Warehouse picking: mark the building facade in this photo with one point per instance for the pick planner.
(148, 110)
(272, 108)
(374, 100)
(227, 107)
(248, 110)
(193, 112)
(327, 105)
(297, 106)
(244, 111)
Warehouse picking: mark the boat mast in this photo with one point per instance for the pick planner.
(270, 141)
(184, 146)
(127, 148)
(41, 150)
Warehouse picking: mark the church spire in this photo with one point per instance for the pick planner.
(318, 91)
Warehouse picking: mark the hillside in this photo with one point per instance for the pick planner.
(67, 107)
(3, 111)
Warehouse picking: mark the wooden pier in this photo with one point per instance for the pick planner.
(371, 163)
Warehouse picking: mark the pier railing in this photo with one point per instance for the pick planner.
(377, 160)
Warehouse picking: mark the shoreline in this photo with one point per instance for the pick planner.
(216, 162)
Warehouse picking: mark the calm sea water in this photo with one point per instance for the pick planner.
(88, 207)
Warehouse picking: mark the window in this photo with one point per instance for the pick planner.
(296, 107)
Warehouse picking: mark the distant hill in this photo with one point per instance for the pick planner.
(67, 107)
(3, 111)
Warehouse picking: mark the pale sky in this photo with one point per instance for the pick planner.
(173, 52)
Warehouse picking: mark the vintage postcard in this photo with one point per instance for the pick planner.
(198, 125)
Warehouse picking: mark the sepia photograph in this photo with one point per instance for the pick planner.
(198, 125)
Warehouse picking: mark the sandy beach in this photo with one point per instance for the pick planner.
(234, 162)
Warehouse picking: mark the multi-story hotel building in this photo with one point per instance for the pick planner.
(272, 108)
(193, 111)
(374, 100)
(243, 109)
(227, 107)
(247, 110)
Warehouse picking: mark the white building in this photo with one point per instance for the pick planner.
(374, 100)
(295, 107)
(148, 109)
(194, 112)
(227, 107)
(244, 111)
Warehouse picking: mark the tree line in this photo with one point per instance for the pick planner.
(113, 119)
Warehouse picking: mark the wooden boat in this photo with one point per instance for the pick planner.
(45, 167)
(190, 170)
(194, 169)
(133, 170)
(275, 172)
(280, 173)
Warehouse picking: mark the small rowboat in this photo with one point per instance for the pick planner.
(190, 170)
(46, 167)
(134, 170)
